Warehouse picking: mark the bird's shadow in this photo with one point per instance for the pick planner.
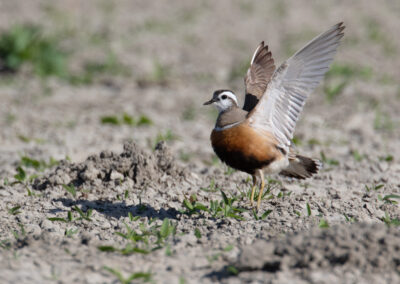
(119, 209)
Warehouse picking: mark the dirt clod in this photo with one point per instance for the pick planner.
(108, 168)
(371, 249)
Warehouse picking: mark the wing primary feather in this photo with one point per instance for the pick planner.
(258, 76)
(280, 105)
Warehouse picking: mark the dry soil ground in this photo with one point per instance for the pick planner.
(88, 195)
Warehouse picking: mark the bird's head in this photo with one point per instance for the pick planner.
(223, 100)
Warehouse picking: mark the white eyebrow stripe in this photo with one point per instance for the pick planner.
(230, 95)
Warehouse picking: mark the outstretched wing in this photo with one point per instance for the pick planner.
(258, 75)
(280, 106)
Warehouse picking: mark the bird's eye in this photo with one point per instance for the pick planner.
(224, 97)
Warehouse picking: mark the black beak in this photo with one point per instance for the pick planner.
(209, 102)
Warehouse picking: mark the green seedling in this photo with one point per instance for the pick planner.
(214, 257)
(282, 194)
(229, 171)
(217, 209)
(308, 210)
(71, 189)
(271, 184)
(323, 224)
(228, 248)
(168, 251)
(132, 235)
(69, 218)
(39, 165)
(389, 198)
(125, 196)
(127, 250)
(211, 188)
(167, 136)
(131, 218)
(14, 210)
(143, 121)
(5, 244)
(374, 187)
(314, 141)
(22, 178)
(19, 234)
(111, 119)
(197, 233)
(225, 208)
(193, 207)
(232, 270)
(21, 175)
(263, 216)
(85, 216)
(389, 221)
(388, 158)
(143, 276)
(297, 141)
(167, 229)
(357, 156)
(126, 119)
(215, 161)
(333, 91)
(328, 161)
(350, 219)
(70, 232)
(147, 240)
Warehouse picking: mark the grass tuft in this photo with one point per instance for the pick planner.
(328, 161)
(323, 224)
(126, 119)
(395, 222)
(143, 276)
(14, 210)
(149, 238)
(29, 45)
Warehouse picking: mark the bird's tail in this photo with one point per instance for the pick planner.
(301, 167)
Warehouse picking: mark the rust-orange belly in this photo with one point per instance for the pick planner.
(243, 148)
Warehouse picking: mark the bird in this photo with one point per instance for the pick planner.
(258, 138)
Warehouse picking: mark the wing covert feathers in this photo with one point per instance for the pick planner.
(258, 75)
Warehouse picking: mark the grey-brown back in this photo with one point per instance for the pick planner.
(231, 116)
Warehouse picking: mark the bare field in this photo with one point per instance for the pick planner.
(107, 174)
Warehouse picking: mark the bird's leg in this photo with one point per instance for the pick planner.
(253, 189)
(261, 189)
